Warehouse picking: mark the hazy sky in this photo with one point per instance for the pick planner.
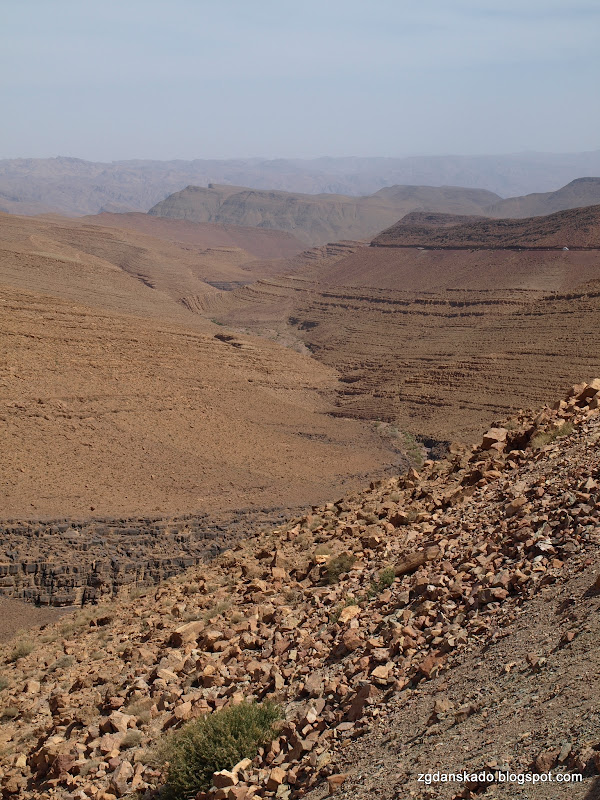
(193, 79)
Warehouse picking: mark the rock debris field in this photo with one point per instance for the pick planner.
(445, 618)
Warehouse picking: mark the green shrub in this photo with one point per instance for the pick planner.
(384, 580)
(4, 683)
(211, 612)
(214, 742)
(348, 601)
(337, 566)
(62, 662)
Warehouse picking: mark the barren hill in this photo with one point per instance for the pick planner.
(580, 192)
(578, 228)
(104, 414)
(257, 242)
(441, 621)
(116, 399)
(108, 269)
(317, 219)
(433, 341)
(133, 266)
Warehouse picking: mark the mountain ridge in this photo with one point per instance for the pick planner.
(577, 228)
(316, 219)
(74, 186)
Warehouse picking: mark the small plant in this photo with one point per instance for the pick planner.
(214, 611)
(137, 707)
(413, 449)
(349, 601)
(133, 738)
(542, 439)
(385, 579)
(21, 650)
(215, 742)
(4, 683)
(61, 663)
(91, 765)
(336, 567)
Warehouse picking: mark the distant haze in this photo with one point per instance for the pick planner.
(193, 79)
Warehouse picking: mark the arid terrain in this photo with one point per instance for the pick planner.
(442, 620)
(577, 193)
(434, 338)
(577, 229)
(208, 437)
(317, 219)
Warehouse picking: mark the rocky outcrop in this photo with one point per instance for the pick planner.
(70, 562)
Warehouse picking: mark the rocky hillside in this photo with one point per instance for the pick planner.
(401, 630)
(317, 219)
(577, 228)
(577, 193)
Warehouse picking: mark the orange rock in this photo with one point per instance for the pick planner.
(275, 779)
(348, 613)
(224, 779)
(335, 781)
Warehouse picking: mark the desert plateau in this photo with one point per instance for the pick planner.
(300, 401)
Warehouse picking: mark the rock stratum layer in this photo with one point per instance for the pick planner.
(73, 562)
(435, 342)
(576, 229)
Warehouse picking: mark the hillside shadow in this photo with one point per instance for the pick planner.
(594, 792)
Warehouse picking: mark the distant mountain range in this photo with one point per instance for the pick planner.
(317, 219)
(75, 187)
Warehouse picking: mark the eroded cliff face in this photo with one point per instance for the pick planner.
(70, 562)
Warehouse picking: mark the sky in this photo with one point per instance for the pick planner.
(276, 79)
